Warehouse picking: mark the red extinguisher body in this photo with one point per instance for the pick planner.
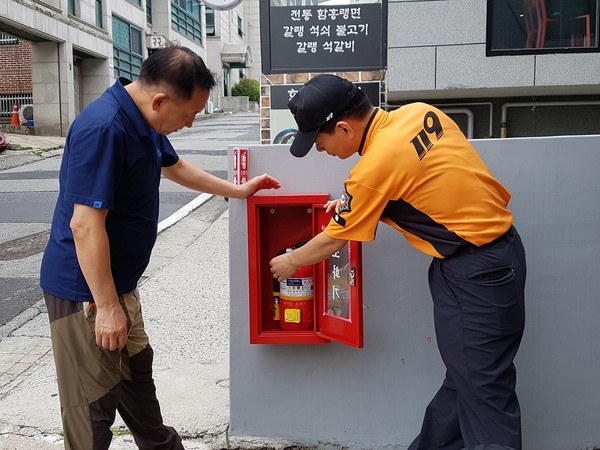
(296, 300)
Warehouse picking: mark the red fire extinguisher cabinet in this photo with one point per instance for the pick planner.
(279, 222)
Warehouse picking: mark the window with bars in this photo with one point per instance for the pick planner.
(185, 19)
(7, 39)
(127, 49)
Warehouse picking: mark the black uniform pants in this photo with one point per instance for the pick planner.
(479, 315)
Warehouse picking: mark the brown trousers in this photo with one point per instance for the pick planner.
(94, 383)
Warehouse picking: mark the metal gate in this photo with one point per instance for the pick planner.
(7, 102)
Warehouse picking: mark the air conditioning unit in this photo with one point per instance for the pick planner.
(26, 113)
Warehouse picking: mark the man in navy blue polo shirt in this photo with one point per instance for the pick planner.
(103, 230)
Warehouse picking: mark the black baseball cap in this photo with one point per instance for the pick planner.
(316, 103)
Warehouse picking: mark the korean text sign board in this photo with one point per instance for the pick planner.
(324, 38)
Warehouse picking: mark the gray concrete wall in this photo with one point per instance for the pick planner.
(375, 397)
(235, 104)
(436, 49)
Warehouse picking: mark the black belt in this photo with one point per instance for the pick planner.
(472, 248)
(505, 237)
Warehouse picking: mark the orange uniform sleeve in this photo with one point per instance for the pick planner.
(358, 213)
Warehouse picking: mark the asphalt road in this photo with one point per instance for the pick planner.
(28, 194)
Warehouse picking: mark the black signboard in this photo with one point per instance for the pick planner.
(322, 38)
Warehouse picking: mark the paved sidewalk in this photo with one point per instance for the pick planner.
(185, 296)
(25, 149)
(186, 304)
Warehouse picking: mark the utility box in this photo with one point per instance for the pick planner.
(318, 303)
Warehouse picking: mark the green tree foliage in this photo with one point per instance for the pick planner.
(247, 87)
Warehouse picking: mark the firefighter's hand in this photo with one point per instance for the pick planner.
(253, 185)
(282, 266)
(331, 205)
(111, 327)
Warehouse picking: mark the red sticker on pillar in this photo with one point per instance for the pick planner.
(236, 166)
(240, 165)
(243, 165)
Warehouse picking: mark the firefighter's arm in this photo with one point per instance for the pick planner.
(188, 175)
(93, 255)
(317, 249)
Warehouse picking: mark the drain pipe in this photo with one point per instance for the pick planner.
(505, 106)
(455, 109)
(470, 117)
(490, 105)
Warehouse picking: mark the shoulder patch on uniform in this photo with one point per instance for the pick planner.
(339, 220)
(345, 202)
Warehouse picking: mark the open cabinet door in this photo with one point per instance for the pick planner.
(338, 291)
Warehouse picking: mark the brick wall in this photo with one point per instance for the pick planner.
(15, 75)
(15, 68)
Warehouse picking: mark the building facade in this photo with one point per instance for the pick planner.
(500, 68)
(522, 68)
(79, 47)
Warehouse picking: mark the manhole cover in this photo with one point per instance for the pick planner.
(24, 247)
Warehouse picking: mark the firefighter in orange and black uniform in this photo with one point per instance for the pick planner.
(419, 174)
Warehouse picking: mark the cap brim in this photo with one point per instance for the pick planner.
(303, 142)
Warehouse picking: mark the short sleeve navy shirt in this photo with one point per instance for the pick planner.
(112, 160)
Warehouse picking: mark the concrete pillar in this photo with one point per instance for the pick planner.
(52, 87)
(96, 77)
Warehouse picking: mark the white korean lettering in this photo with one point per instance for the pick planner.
(290, 31)
(335, 272)
(306, 14)
(301, 47)
(335, 292)
(292, 93)
(317, 31)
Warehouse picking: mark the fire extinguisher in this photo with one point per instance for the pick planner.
(295, 304)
